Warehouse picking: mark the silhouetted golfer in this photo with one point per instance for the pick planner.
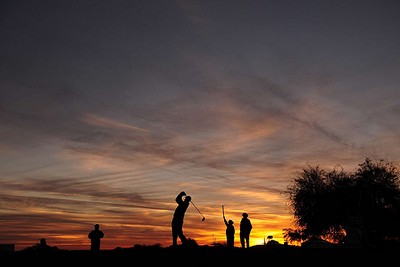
(230, 233)
(245, 229)
(95, 237)
(177, 220)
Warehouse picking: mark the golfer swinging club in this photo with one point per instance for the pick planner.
(177, 220)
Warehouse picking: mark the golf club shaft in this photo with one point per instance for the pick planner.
(197, 209)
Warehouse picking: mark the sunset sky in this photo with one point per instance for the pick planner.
(108, 109)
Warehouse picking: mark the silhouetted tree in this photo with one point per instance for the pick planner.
(340, 206)
(377, 185)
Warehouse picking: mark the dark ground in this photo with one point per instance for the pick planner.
(206, 256)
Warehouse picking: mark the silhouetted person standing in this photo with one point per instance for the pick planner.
(95, 237)
(230, 233)
(245, 229)
(177, 220)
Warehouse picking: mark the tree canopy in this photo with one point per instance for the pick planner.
(355, 209)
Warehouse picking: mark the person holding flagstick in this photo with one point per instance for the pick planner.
(230, 230)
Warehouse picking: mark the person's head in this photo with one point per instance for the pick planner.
(96, 226)
(230, 222)
(245, 215)
(188, 198)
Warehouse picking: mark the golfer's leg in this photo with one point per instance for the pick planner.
(182, 237)
(174, 237)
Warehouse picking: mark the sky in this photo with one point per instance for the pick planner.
(109, 109)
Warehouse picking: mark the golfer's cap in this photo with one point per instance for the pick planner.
(244, 214)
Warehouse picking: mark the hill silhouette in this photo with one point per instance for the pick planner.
(207, 256)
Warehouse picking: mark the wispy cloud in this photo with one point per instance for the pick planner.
(109, 123)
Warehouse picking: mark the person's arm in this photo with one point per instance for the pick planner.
(226, 223)
(178, 198)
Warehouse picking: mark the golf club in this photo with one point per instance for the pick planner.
(198, 211)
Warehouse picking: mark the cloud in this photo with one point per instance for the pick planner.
(106, 122)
